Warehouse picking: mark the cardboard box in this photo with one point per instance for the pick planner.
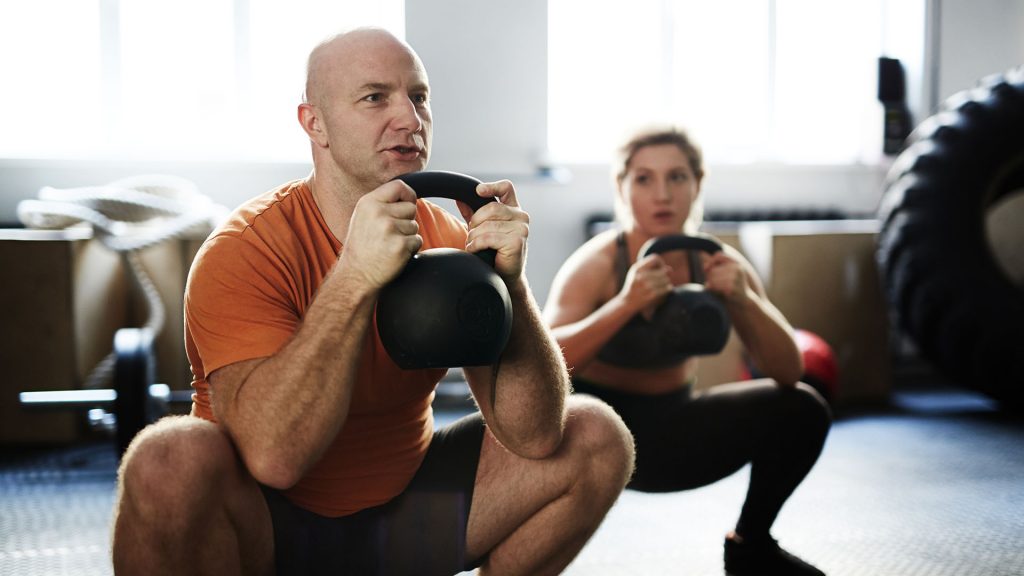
(822, 276)
(66, 295)
(824, 279)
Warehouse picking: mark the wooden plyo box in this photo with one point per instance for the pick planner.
(822, 276)
(65, 296)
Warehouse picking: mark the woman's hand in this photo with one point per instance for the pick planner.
(647, 284)
(724, 275)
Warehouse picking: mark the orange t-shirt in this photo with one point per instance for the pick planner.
(248, 290)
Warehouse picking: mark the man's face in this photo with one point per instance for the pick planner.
(376, 109)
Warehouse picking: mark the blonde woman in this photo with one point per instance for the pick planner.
(685, 439)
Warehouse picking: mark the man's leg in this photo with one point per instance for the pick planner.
(187, 505)
(534, 516)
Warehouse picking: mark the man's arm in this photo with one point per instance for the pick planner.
(522, 398)
(284, 410)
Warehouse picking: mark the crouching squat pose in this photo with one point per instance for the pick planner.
(686, 439)
(308, 450)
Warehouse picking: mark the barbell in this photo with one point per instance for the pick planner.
(135, 400)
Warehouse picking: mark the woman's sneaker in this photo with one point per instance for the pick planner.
(765, 558)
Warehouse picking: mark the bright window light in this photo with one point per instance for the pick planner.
(51, 94)
(151, 79)
(789, 81)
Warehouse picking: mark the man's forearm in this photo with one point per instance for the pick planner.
(528, 395)
(288, 409)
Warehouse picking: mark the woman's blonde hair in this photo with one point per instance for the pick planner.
(654, 135)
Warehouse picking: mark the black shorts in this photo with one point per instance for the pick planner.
(421, 531)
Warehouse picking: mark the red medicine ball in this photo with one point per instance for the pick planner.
(820, 367)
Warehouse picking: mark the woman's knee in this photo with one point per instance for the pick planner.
(603, 441)
(809, 409)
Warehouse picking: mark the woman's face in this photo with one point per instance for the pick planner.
(658, 190)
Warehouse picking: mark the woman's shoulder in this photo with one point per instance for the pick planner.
(587, 276)
(599, 250)
(594, 259)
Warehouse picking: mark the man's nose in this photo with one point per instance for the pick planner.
(408, 116)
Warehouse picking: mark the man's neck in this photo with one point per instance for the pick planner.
(336, 200)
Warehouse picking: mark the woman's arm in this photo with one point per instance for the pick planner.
(765, 332)
(582, 316)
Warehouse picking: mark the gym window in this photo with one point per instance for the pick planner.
(185, 80)
(788, 81)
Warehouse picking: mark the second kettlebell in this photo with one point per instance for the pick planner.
(691, 321)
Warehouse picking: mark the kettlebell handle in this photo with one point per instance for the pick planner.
(679, 242)
(453, 186)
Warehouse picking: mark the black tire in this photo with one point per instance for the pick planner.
(943, 286)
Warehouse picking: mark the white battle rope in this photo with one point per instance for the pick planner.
(127, 216)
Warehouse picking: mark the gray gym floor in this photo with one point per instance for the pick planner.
(932, 484)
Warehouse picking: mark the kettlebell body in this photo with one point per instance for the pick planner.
(447, 307)
(690, 322)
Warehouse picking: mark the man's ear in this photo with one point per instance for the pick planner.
(309, 119)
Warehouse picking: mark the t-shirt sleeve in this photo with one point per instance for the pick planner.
(237, 305)
(440, 227)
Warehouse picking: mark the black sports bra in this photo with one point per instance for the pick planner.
(632, 345)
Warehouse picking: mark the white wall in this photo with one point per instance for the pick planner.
(487, 66)
(977, 38)
(487, 63)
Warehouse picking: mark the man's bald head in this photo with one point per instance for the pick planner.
(342, 47)
(366, 109)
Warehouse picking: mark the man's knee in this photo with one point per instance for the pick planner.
(602, 441)
(173, 459)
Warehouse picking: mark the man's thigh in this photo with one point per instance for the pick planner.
(510, 489)
(422, 531)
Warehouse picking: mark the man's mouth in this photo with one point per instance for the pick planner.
(406, 151)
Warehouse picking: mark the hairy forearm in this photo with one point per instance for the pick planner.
(525, 406)
(289, 407)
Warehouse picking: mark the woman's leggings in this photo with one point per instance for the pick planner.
(686, 440)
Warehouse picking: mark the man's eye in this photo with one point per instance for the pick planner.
(420, 98)
(679, 176)
(373, 97)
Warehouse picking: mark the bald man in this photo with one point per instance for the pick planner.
(308, 450)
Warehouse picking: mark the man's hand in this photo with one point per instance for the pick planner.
(501, 226)
(382, 234)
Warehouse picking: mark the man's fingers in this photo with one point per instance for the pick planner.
(394, 191)
(502, 190)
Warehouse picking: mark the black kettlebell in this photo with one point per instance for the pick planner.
(447, 308)
(691, 321)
